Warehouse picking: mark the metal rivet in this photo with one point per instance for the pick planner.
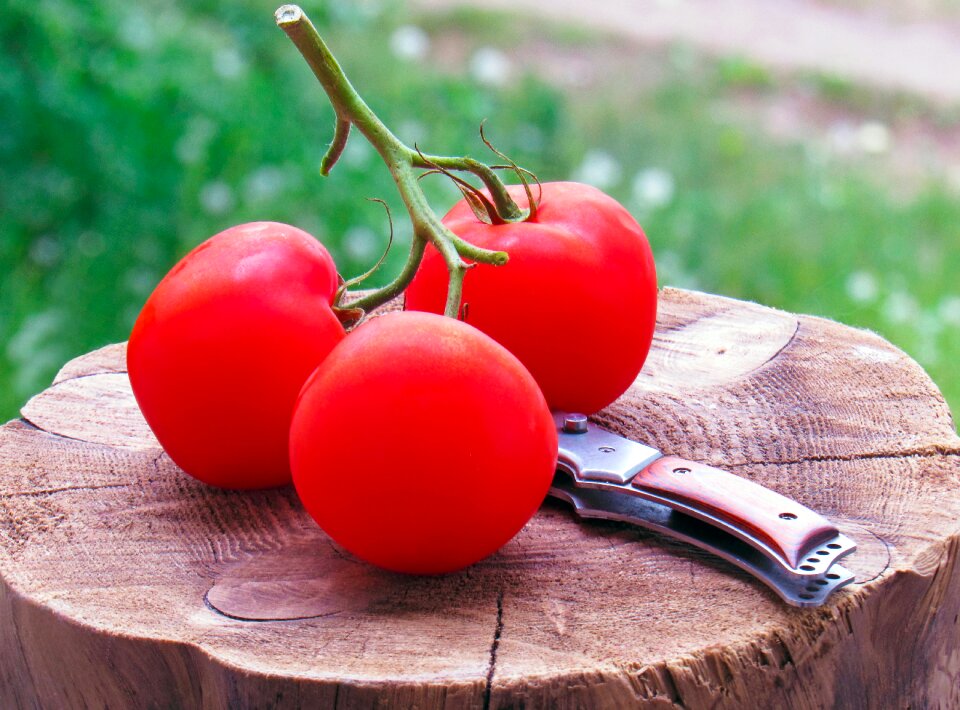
(606, 449)
(681, 470)
(575, 423)
(788, 516)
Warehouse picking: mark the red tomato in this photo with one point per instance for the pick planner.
(420, 445)
(223, 346)
(577, 301)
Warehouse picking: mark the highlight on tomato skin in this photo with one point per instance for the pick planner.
(223, 346)
(421, 445)
(576, 302)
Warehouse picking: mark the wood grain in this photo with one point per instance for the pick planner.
(126, 583)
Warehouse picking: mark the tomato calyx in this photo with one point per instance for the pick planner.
(482, 206)
(492, 205)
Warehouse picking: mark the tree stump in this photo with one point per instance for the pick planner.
(125, 583)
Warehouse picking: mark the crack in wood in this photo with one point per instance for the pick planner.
(88, 374)
(220, 612)
(672, 688)
(886, 565)
(924, 452)
(790, 340)
(67, 437)
(61, 489)
(494, 646)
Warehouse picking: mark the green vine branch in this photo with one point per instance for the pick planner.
(403, 162)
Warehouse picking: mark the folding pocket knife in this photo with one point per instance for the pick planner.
(789, 547)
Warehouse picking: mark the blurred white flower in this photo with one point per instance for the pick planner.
(411, 132)
(653, 187)
(140, 281)
(216, 197)
(357, 153)
(137, 31)
(900, 307)
(529, 136)
(361, 244)
(192, 145)
(929, 324)
(409, 42)
(949, 310)
(927, 349)
(873, 137)
(842, 137)
(264, 183)
(45, 251)
(953, 178)
(227, 63)
(862, 287)
(599, 169)
(490, 66)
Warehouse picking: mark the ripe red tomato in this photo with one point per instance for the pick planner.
(420, 445)
(224, 344)
(577, 301)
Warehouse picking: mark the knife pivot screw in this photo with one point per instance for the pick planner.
(575, 423)
(681, 470)
(788, 516)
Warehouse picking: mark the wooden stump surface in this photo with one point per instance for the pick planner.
(127, 583)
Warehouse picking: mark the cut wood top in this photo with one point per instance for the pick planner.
(99, 528)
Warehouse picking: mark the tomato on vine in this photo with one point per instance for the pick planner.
(577, 301)
(421, 445)
(224, 344)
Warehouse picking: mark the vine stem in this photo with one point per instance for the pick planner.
(402, 161)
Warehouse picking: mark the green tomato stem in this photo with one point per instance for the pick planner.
(506, 207)
(402, 161)
(340, 134)
(394, 288)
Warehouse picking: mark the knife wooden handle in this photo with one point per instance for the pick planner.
(785, 526)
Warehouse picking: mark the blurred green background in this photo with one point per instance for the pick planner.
(133, 131)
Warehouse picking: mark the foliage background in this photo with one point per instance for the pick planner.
(133, 131)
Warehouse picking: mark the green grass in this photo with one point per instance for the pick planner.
(135, 132)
